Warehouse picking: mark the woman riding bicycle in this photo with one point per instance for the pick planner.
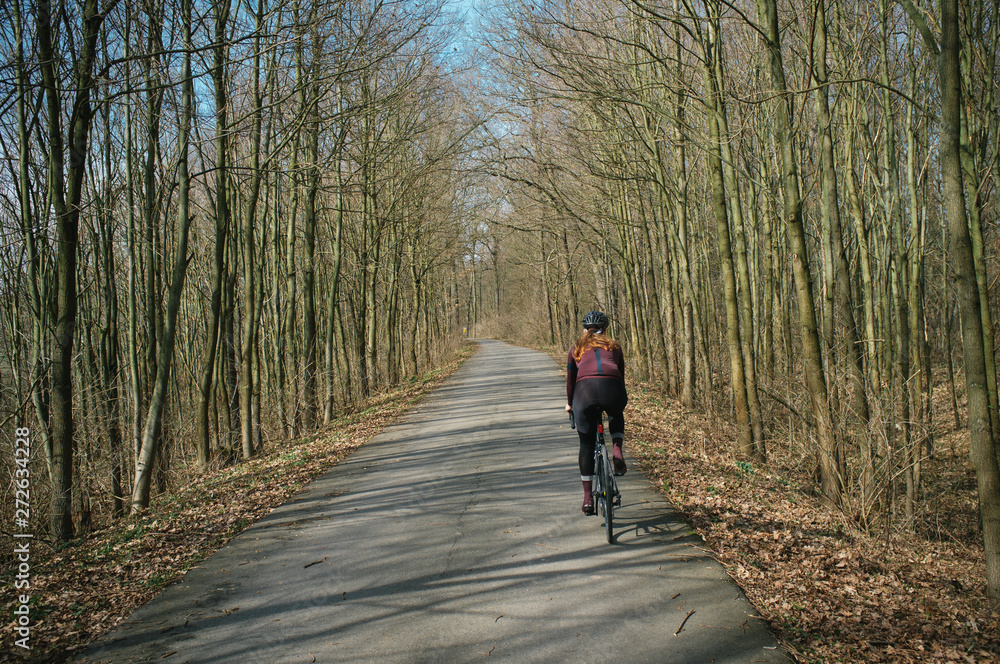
(595, 381)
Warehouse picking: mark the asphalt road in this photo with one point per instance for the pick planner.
(456, 536)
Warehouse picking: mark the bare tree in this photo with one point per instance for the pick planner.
(66, 193)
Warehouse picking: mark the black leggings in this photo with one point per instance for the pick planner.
(590, 397)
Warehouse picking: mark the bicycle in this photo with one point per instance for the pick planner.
(605, 487)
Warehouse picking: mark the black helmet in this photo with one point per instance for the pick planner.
(595, 319)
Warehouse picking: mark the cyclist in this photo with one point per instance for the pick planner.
(595, 381)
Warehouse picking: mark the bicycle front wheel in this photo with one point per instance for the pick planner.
(608, 500)
(598, 490)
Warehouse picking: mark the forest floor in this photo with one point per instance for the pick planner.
(831, 592)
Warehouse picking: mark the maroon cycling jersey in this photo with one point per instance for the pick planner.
(594, 363)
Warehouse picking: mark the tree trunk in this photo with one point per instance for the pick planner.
(827, 453)
(110, 346)
(135, 370)
(289, 358)
(36, 282)
(209, 363)
(333, 295)
(712, 46)
(154, 418)
(314, 174)
(983, 449)
(850, 348)
(151, 204)
(66, 192)
(250, 272)
(744, 294)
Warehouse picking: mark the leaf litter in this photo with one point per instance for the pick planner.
(830, 591)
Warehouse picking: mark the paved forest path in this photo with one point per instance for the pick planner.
(456, 536)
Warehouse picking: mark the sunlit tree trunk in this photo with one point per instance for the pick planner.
(288, 388)
(688, 371)
(983, 449)
(847, 331)
(711, 46)
(135, 361)
(157, 404)
(973, 138)
(827, 453)
(744, 294)
(983, 446)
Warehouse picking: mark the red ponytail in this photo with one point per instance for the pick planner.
(590, 340)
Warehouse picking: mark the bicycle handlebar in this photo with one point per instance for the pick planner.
(572, 420)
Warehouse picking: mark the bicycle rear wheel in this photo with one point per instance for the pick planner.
(607, 499)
